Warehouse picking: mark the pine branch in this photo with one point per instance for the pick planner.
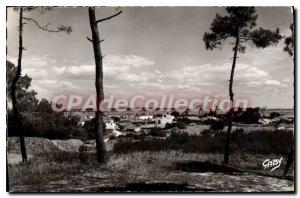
(61, 28)
(110, 17)
(89, 39)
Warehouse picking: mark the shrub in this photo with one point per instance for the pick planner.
(217, 126)
(274, 115)
(256, 142)
(47, 125)
(176, 114)
(250, 116)
(116, 119)
(157, 132)
(181, 125)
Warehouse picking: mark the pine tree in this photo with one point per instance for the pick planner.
(237, 29)
(99, 123)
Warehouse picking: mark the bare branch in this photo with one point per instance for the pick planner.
(89, 39)
(61, 28)
(110, 17)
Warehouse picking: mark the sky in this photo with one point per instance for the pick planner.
(152, 50)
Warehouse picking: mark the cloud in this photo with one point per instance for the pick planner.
(14, 60)
(35, 73)
(74, 70)
(215, 76)
(205, 78)
(272, 82)
(79, 70)
(114, 70)
(57, 84)
(157, 71)
(287, 80)
(130, 60)
(32, 61)
(112, 65)
(50, 75)
(59, 70)
(131, 73)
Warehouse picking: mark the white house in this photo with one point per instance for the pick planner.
(110, 124)
(146, 117)
(81, 123)
(267, 121)
(116, 133)
(193, 118)
(163, 120)
(210, 118)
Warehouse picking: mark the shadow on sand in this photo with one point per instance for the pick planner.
(153, 187)
(203, 167)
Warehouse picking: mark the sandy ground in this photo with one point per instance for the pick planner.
(13, 158)
(200, 182)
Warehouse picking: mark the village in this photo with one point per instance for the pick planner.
(194, 122)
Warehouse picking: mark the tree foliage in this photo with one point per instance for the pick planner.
(289, 42)
(237, 28)
(15, 103)
(250, 116)
(41, 10)
(239, 23)
(38, 118)
(27, 100)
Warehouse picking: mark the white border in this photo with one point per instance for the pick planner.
(153, 3)
(115, 3)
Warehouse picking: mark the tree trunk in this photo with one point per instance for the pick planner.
(227, 144)
(290, 160)
(14, 87)
(101, 151)
(291, 154)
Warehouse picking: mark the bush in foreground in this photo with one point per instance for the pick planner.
(255, 142)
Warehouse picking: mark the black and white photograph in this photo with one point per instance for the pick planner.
(150, 99)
